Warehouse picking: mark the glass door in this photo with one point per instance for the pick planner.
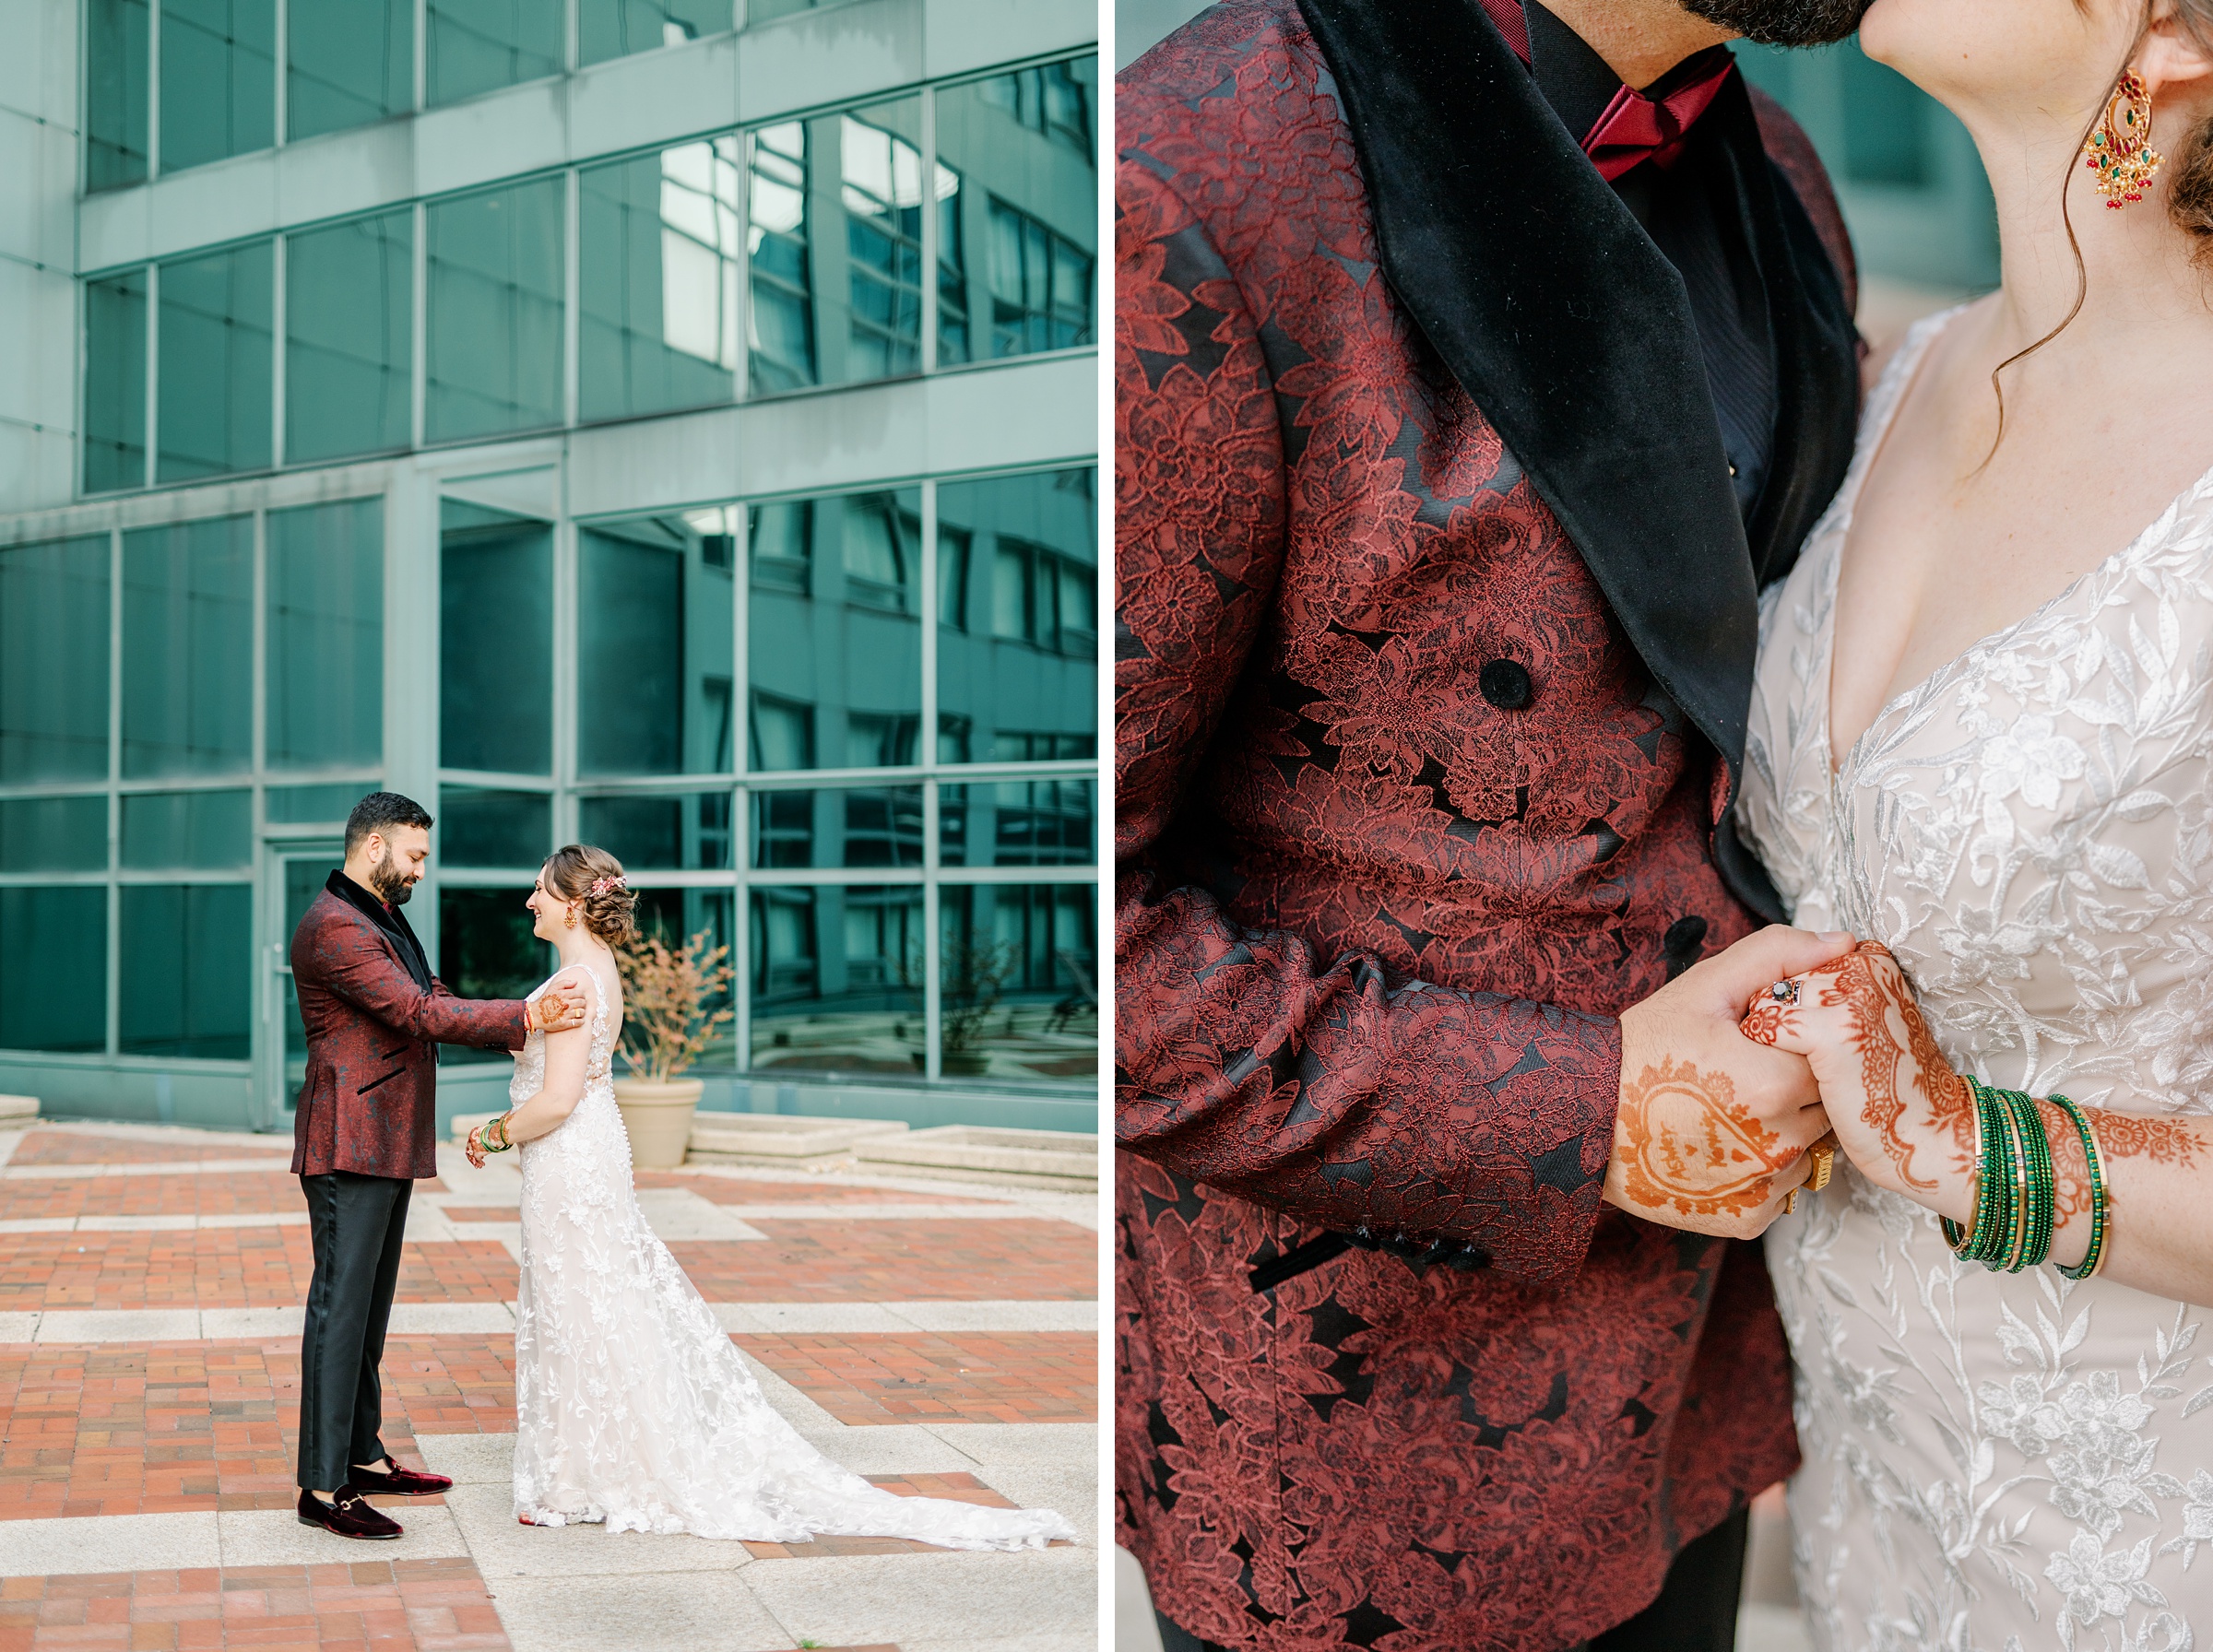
(296, 875)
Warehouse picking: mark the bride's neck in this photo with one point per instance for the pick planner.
(2137, 279)
(580, 945)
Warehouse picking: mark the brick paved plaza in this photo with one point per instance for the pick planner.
(938, 1337)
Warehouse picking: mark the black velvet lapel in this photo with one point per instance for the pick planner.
(1573, 334)
(388, 919)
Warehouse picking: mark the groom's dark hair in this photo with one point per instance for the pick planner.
(380, 810)
(1783, 22)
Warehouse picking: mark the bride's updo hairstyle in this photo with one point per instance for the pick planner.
(2190, 196)
(592, 879)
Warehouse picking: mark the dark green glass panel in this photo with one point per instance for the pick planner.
(480, 45)
(659, 269)
(349, 325)
(880, 168)
(188, 647)
(486, 949)
(837, 977)
(115, 383)
(54, 969)
(495, 642)
(218, 79)
(834, 642)
(1018, 191)
(480, 828)
(1018, 618)
(351, 63)
(495, 296)
(1050, 822)
(654, 658)
(176, 831)
(686, 833)
(187, 956)
(116, 87)
(54, 660)
(1018, 992)
(864, 826)
(313, 804)
(618, 27)
(782, 264)
(53, 834)
(215, 394)
(326, 635)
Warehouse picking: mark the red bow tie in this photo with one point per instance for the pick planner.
(1634, 127)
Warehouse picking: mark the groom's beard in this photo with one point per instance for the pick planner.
(1783, 22)
(392, 885)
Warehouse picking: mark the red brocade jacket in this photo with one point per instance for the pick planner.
(1429, 708)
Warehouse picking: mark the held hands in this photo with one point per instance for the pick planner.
(558, 1009)
(1902, 1114)
(1706, 1139)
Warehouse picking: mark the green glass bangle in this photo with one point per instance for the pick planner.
(2100, 1221)
(2039, 1184)
(1996, 1214)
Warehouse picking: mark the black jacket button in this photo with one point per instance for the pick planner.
(1504, 683)
(1684, 938)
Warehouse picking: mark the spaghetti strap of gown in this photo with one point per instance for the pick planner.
(633, 1406)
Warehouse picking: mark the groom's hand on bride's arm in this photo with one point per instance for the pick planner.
(558, 1009)
(1713, 1128)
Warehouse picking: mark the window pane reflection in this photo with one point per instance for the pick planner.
(834, 642)
(1018, 192)
(479, 45)
(116, 60)
(188, 647)
(687, 833)
(1019, 991)
(837, 979)
(781, 323)
(54, 660)
(495, 641)
(54, 969)
(482, 828)
(186, 951)
(53, 834)
(326, 635)
(349, 325)
(350, 64)
(215, 339)
(313, 804)
(863, 826)
(654, 646)
(1017, 618)
(660, 265)
(178, 830)
(494, 325)
(115, 383)
(618, 27)
(1018, 823)
(486, 949)
(218, 79)
(881, 165)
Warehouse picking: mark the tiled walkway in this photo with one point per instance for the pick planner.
(940, 1339)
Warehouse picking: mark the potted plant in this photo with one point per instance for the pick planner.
(667, 1022)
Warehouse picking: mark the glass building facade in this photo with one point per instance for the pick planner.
(701, 462)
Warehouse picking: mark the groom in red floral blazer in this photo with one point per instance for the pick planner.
(366, 1130)
(1466, 399)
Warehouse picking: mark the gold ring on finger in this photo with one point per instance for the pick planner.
(1824, 1155)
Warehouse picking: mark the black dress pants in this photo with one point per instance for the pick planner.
(1696, 1610)
(357, 1224)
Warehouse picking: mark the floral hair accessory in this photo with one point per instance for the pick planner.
(601, 885)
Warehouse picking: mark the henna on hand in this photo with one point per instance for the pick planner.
(1689, 1143)
(1870, 995)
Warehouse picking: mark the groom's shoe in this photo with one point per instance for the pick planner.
(395, 1482)
(349, 1515)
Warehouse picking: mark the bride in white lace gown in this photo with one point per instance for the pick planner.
(2016, 800)
(632, 1407)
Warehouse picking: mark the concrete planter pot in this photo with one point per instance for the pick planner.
(658, 1116)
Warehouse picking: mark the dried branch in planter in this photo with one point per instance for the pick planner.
(667, 1020)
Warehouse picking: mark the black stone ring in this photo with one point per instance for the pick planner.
(1784, 991)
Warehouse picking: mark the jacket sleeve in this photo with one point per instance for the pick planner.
(360, 970)
(1321, 1088)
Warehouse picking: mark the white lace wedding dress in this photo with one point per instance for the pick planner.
(2004, 1462)
(632, 1407)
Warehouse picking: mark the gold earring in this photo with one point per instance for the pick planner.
(2119, 149)
(572, 917)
